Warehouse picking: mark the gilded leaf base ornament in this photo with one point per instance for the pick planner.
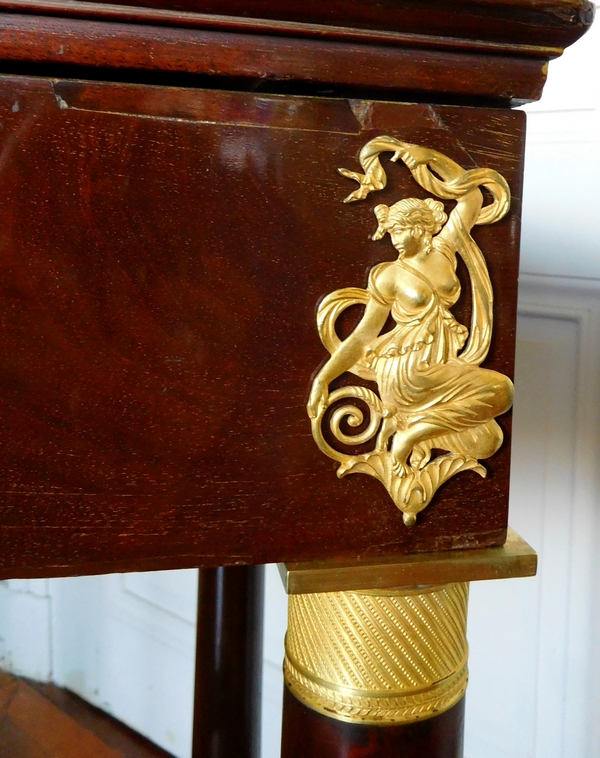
(431, 394)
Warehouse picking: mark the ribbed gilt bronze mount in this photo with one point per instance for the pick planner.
(378, 659)
(384, 641)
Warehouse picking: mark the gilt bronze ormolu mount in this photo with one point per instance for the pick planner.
(432, 395)
(383, 642)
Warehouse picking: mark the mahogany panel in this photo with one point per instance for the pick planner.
(260, 59)
(543, 23)
(306, 732)
(161, 256)
(299, 29)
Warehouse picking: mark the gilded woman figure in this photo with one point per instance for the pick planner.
(432, 393)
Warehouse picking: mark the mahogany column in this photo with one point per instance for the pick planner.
(306, 732)
(228, 663)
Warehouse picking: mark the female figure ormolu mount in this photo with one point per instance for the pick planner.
(432, 392)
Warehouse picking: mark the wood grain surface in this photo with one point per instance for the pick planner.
(251, 61)
(66, 708)
(531, 23)
(306, 732)
(33, 727)
(162, 253)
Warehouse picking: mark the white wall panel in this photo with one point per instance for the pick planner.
(25, 628)
(275, 627)
(128, 655)
(561, 223)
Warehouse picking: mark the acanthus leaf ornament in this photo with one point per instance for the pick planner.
(432, 393)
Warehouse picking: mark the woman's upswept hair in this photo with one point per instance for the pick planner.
(428, 215)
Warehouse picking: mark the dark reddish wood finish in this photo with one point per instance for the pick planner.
(229, 663)
(308, 733)
(260, 58)
(108, 729)
(32, 727)
(162, 254)
(494, 25)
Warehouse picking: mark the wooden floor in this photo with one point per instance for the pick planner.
(45, 721)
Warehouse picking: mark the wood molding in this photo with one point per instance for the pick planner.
(271, 60)
(492, 25)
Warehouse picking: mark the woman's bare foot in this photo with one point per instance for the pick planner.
(401, 448)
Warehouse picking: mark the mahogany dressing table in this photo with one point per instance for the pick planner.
(218, 215)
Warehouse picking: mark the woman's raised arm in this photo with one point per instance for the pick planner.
(422, 161)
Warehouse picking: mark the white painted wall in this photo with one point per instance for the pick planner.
(126, 643)
(533, 690)
(561, 223)
(535, 684)
(26, 628)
